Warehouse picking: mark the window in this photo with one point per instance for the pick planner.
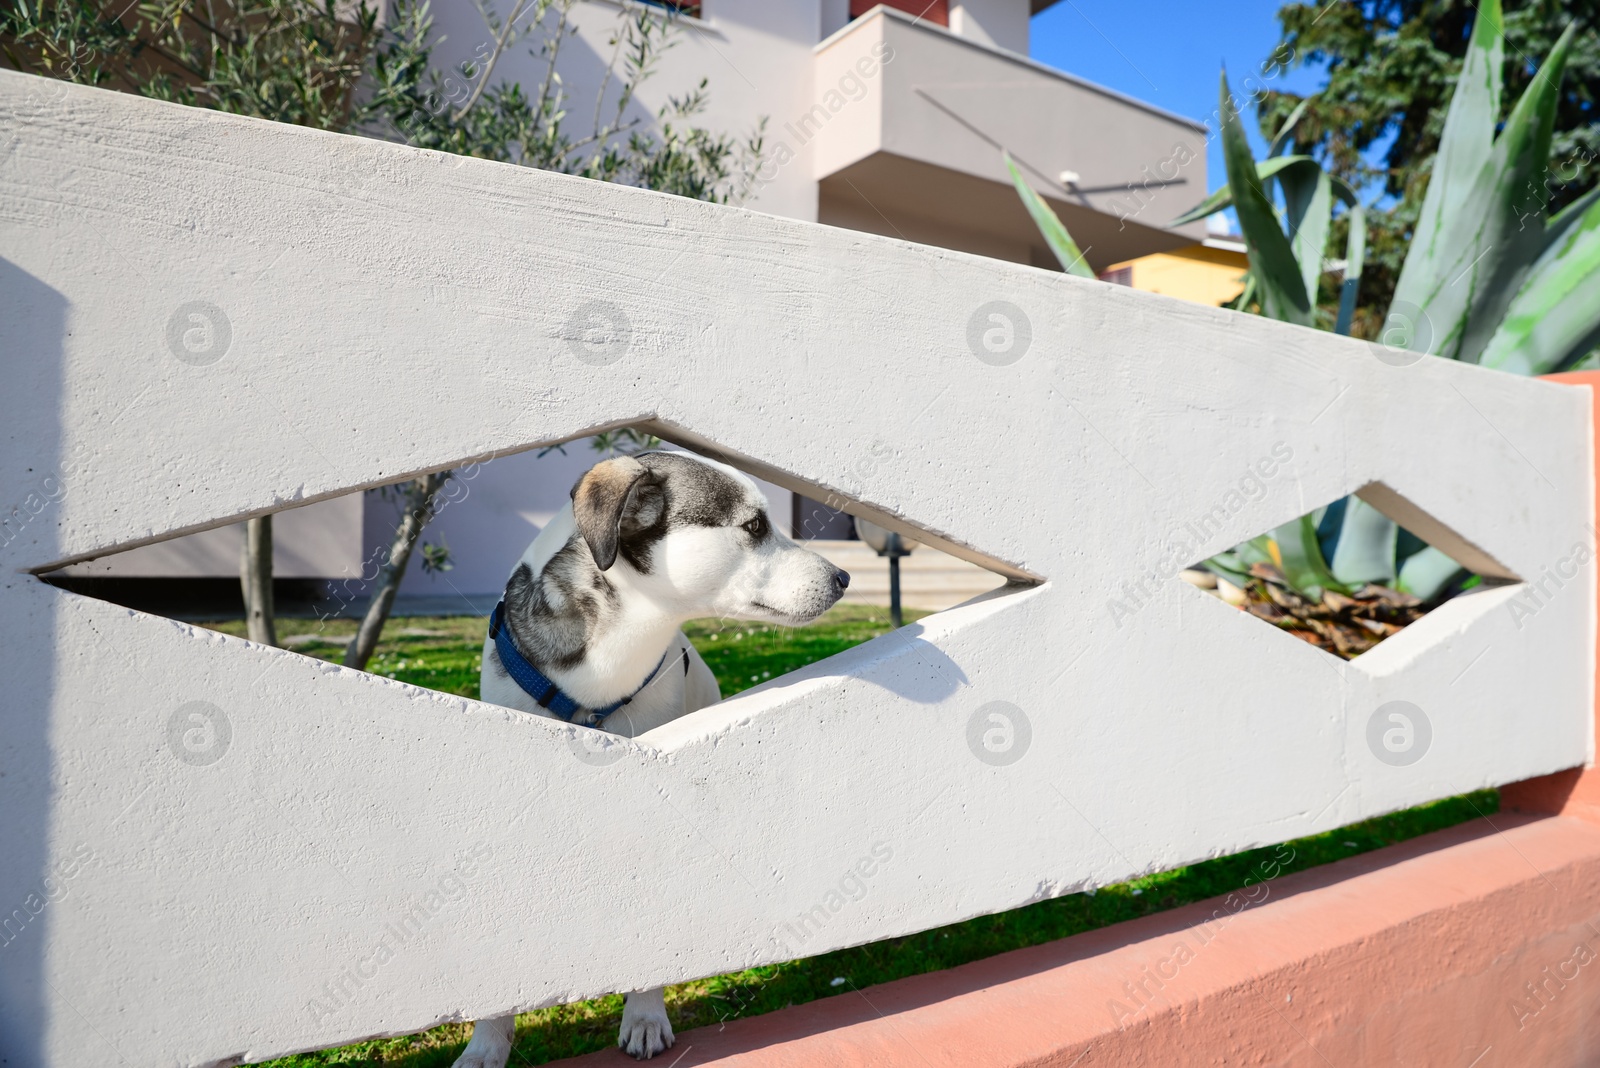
(682, 7)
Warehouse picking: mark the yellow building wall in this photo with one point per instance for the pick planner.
(1204, 275)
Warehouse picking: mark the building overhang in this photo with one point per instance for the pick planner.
(914, 122)
(918, 201)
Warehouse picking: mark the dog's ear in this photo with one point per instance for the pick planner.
(611, 499)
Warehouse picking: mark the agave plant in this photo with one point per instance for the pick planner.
(1490, 279)
(1309, 194)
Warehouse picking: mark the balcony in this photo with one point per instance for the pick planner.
(906, 139)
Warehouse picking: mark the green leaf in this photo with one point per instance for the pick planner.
(1470, 271)
(1246, 295)
(1427, 573)
(1230, 567)
(1521, 167)
(1308, 208)
(1272, 260)
(1303, 566)
(1234, 565)
(1554, 320)
(1355, 253)
(1050, 225)
(1281, 139)
(1464, 149)
(1222, 199)
(1344, 192)
(1569, 216)
(1365, 551)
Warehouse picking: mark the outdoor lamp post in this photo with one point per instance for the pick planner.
(887, 543)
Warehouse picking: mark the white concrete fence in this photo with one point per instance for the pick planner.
(212, 851)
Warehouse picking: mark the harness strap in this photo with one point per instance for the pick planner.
(539, 686)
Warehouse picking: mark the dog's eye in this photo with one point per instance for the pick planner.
(757, 527)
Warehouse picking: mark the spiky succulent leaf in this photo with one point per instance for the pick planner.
(1464, 148)
(1230, 567)
(1234, 565)
(1355, 257)
(1365, 550)
(1568, 217)
(1050, 225)
(1427, 573)
(1520, 165)
(1280, 144)
(1300, 558)
(1469, 273)
(1308, 209)
(1284, 137)
(1246, 295)
(1272, 261)
(1222, 199)
(1554, 320)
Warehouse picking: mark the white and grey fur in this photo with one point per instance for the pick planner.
(596, 602)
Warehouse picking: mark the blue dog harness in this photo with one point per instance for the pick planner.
(537, 685)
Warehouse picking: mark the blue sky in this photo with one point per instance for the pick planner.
(1167, 52)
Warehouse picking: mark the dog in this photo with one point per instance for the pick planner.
(589, 628)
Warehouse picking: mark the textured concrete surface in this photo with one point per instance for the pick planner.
(1575, 791)
(1476, 946)
(215, 850)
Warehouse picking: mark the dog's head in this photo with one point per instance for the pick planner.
(694, 536)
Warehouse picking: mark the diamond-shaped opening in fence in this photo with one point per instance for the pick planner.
(1351, 574)
(329, 557)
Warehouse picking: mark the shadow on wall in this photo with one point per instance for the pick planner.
(35, 318)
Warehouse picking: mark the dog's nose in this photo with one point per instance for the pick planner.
(842, 579)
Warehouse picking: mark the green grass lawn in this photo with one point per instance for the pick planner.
(443, 654)
(446, 653)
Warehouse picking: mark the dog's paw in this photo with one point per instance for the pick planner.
(490, 1046)
(646, 1030)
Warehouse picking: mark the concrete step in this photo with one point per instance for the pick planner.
(929, 579)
